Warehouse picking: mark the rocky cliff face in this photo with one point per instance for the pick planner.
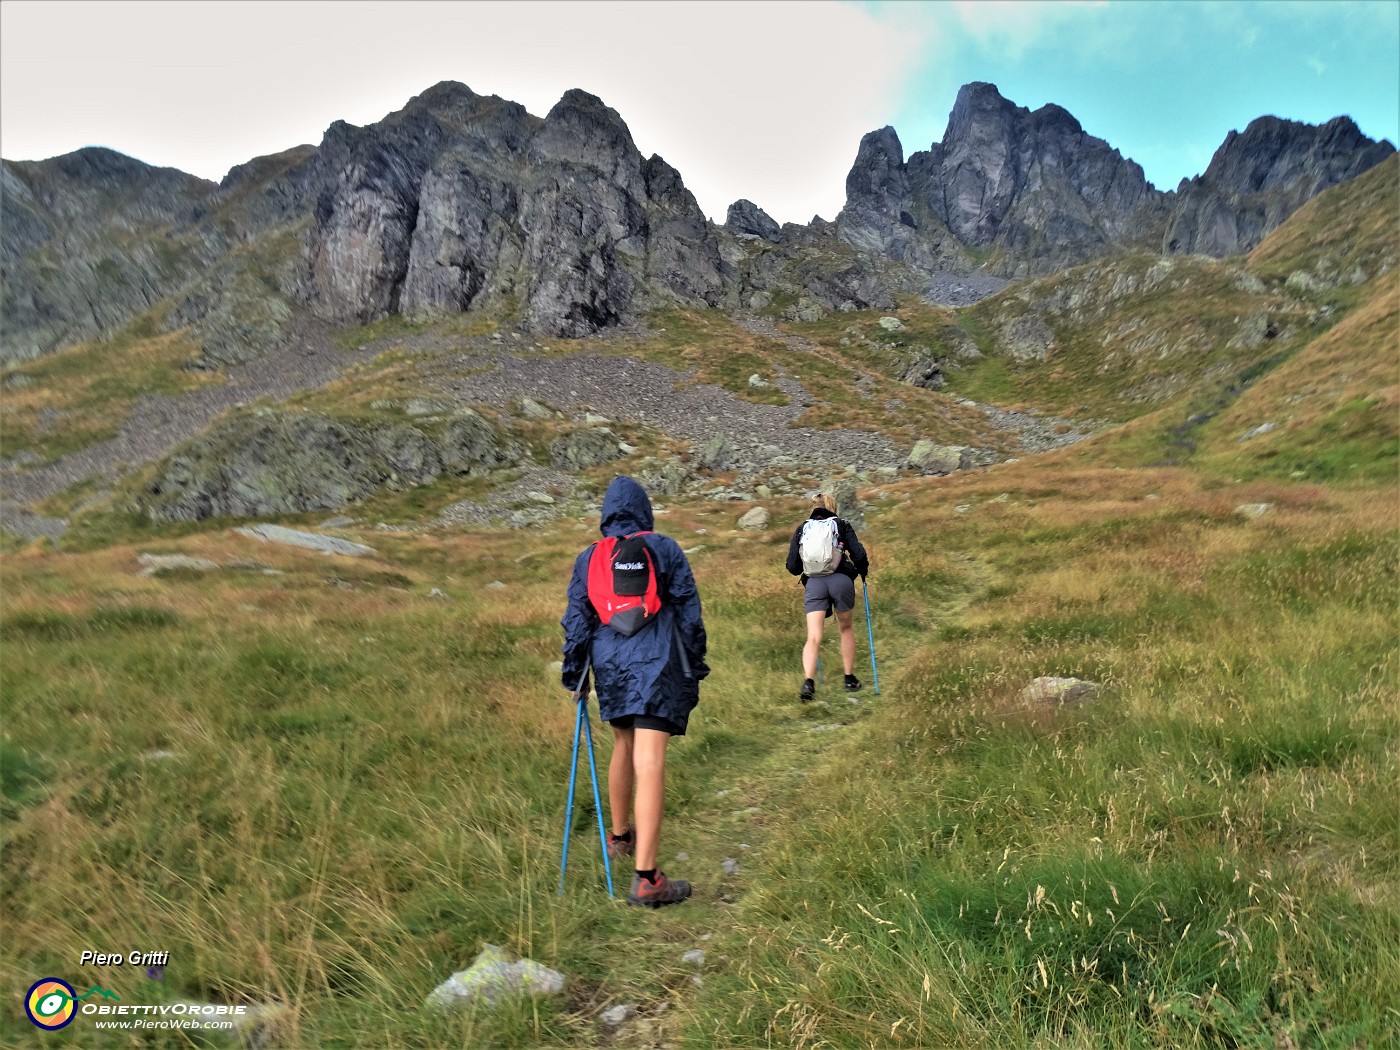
(459, 202)
(1033, 188)
(1260, 177)
(456, 202)
(1034, 192)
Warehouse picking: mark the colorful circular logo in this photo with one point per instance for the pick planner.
(50, 1003)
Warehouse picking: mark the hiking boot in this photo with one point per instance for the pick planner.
(655, 894)
(853, 684)
(809, 690)
(623, 845)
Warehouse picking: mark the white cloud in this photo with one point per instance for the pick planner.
(1013, 26)
(760, 100)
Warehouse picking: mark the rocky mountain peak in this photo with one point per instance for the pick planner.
(581, 129)
(1260, 176)
(975, 101)
(444, 96)
(746, 219)
(1051, 116)
(878, 172)
(1040, 192)
(1273, 152)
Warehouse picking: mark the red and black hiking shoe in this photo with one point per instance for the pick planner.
(648, 894)
(623, 845)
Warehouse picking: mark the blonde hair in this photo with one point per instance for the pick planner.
(824, 500)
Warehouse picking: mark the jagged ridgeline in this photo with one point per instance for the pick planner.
(460, 203)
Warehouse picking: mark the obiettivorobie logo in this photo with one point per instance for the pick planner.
(52, 1003)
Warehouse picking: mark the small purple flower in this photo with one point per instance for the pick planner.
(155, 973)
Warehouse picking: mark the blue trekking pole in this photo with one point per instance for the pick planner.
(582, 723)
(870, 631)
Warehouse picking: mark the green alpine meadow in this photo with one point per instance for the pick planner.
(1125, 769)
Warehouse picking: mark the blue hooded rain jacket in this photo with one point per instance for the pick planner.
(644, 674)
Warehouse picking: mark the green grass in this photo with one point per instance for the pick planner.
(81, 395)
(318, 784)
(327, 789)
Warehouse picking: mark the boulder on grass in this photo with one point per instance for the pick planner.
(492, 976)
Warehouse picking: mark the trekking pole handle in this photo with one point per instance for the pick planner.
(579, 693)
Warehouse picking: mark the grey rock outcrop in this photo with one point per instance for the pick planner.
(923, 370)
(492, 976)
(456, 202)
(582, 449)
(1034, 182)
(747, 219)
(155, 564)
(269, 533)
(1050, 691)
(884, 218)
(928, 457)
(283, 463)
(755, 519)
(718, 454)
(1259, 177)
(93, 241)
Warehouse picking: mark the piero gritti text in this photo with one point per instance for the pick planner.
(129, 959)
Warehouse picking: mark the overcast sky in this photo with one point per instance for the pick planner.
(760, 100)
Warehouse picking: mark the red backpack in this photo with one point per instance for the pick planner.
(622, 583)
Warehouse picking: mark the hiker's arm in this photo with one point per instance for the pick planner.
(794, 558)
(682, 595)
(579, 623)
(859, 558)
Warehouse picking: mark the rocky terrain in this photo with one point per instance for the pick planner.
(463, 209)
(1260, 177)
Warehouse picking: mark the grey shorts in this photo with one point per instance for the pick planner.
(824, 592)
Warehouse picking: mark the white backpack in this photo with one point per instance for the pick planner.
(818, 547)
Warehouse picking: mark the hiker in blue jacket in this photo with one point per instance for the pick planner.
(833, 590)
(647, 685)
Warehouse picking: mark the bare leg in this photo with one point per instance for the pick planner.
(649, 762)
(620, 780)
(814, 642)
(848, 640)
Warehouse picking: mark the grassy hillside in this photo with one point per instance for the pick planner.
(322, 784)
(318, 784)
(68, 400)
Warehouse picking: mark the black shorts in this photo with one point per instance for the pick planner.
(665, 725)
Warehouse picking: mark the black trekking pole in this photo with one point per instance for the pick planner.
(583, 724)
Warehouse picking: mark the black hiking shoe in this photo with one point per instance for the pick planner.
(809, 690)
(663, 891)
(854, 684)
